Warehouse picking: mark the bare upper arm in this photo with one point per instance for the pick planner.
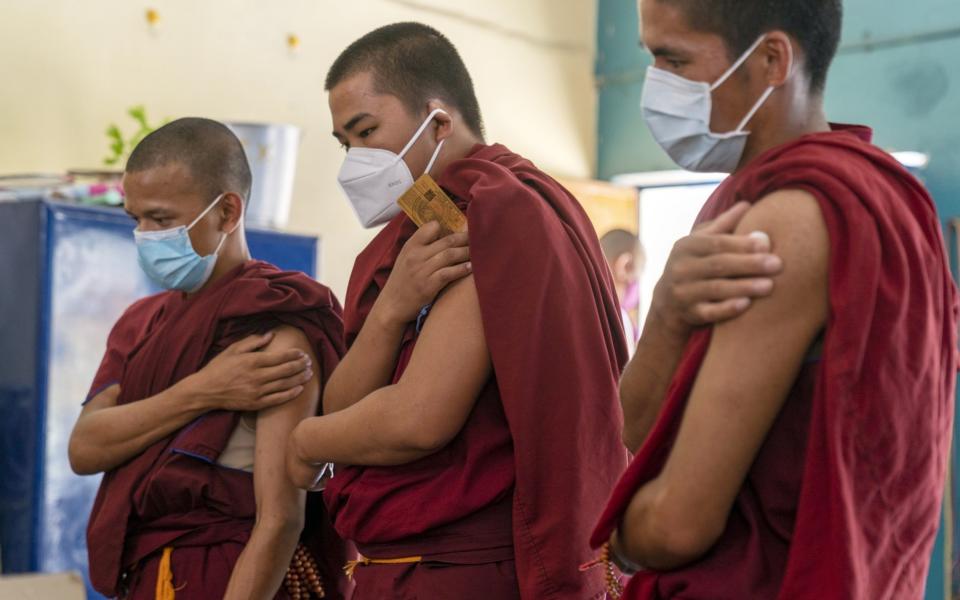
(750, 367)
(277, 497)
(449, 367)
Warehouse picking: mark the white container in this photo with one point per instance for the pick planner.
(272, 154)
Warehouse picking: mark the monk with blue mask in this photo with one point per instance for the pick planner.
(198, 389)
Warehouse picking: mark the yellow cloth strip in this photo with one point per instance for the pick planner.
(364, 561)
(165, 589)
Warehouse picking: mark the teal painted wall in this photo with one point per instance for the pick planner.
(898, 71)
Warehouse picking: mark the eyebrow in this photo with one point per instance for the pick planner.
(659, 51)
(352, 123)
(152, 213)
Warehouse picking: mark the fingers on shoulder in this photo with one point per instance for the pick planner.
(292, 341)
(288, 336)
(798, 234)
(794, 223)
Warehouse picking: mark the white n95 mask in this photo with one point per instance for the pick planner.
(374, 179)
(677, 111)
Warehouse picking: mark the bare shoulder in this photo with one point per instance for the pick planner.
(786, 212)
(798, 233)
(286, 337)
(460, 292)
(454, 328)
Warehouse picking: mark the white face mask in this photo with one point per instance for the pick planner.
(677, 111)
(374, 179)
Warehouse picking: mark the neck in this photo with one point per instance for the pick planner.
(233, 254)
(454, 149)
(792, 118)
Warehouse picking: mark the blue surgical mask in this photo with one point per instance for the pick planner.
(168, 257)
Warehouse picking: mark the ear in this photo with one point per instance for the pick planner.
(231, 212)
(621, 266)
(780, 57)
(443, 121)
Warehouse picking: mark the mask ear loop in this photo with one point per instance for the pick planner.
(420, 130)
(433, 159)
(739, 62)
(223, 238)
(205, 211)
(765, 96)
(227, 234)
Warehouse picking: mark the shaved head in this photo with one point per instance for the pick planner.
(814, 24)
(414, 62)
(210, 152)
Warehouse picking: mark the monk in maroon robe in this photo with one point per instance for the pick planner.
(473, 431)
(197, 392)
(799, 450)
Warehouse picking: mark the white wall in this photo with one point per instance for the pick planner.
(69, 68)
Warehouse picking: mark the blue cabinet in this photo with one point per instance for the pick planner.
(66, 274)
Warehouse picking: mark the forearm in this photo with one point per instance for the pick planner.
(380, 431)
(106, 438)
(646, 379)
(262, 565)
(370, 363)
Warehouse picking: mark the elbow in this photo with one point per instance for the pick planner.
(425, 436)
(299, 471)
(674, 534)
(82, 462)
(681, 545)
(425, 442)
(297, 476)
(423, 428)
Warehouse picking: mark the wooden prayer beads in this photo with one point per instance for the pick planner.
(614, 585)
(302, 581)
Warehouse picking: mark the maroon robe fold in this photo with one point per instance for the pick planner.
(866, 495)
(174, 493)
(552, 326)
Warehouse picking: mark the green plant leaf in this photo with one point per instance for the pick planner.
(139, 114)
(118, 145)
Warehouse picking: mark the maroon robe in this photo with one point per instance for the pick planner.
(174, 493)
(552, 326)
(843, 501)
